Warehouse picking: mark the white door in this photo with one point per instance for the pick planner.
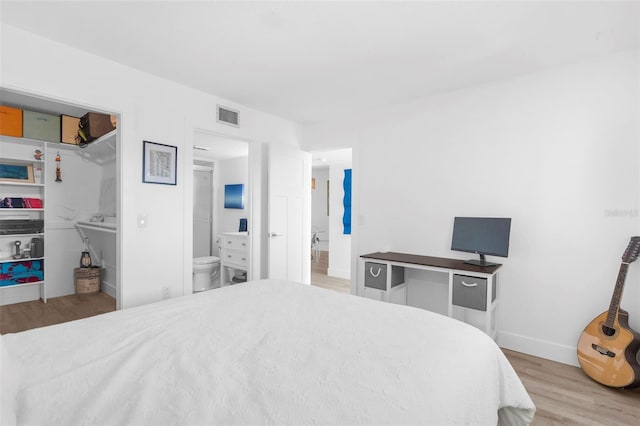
(289, 214)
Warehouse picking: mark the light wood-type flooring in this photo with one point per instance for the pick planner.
(28, 315)
(319, 277)
(563, 394)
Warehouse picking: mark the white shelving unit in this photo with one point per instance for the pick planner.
(19, 151)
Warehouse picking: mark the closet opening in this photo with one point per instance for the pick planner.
(72, 192)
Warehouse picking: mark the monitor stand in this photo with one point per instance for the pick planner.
(479, 262)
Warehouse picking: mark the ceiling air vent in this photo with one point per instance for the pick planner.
(228, 116)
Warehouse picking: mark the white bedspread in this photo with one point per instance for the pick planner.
(264, 352)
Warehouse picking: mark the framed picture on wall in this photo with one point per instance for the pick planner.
(159, 163)
(234, 196)
(21, 173)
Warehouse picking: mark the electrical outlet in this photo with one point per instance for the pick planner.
(166, 292)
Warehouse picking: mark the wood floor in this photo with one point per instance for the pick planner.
(319, 277)
(28, 315)
(563, 394)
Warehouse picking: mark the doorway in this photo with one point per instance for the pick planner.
(219, 162)
(330, 242)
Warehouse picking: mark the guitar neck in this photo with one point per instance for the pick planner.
(614, 306)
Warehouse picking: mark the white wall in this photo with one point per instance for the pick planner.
(339, 243)
(232, 172)
(151, 109)
(558, 151)
(76, 197)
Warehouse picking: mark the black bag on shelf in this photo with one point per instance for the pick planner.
(92, 125)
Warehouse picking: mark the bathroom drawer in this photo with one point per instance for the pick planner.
(471, 292)
(238, 242)
(236, 258)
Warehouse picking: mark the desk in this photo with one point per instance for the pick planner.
(470, 287)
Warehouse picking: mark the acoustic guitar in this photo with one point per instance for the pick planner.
(608, 348)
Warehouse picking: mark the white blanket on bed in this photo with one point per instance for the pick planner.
(263, 352)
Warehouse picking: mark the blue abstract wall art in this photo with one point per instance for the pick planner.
(234, 196)
(346, 201)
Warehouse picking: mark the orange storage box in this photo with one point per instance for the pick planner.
(10, 121)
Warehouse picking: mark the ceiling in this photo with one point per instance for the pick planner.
(316, 61)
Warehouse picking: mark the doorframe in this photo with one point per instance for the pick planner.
(253, 194)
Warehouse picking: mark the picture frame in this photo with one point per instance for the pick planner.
(159, 163)
(16, 173)
(234, 196)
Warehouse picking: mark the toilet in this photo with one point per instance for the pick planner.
(206, 273)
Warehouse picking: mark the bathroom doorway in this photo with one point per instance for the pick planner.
(330, 245)
(220, 163)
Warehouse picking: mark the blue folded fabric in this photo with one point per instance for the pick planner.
(12, 203)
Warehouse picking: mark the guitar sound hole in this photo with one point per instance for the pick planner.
(608, 331)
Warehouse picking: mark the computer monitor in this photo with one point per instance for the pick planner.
(481, 235)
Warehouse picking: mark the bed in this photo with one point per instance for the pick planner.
(261, 352)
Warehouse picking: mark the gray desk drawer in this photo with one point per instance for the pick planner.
(471, 292)
(375, 275)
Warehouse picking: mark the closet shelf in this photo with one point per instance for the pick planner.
(102, 150)
(22, 259)
(98, 226)
(21, 184)
(17, 160)
(18, 236)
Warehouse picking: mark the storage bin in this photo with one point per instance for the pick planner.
(471, 292)
(41, 126)
(375, 275)
(69, 129)
(87, 280)
(10, 121)
(21, 272)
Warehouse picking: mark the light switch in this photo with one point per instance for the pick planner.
(142, 220)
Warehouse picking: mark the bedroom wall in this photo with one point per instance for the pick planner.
(152, 109)
(558, 151)
(339, 243)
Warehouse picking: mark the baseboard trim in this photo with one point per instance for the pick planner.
(108, 288)
(339, 273)
(538, 347)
